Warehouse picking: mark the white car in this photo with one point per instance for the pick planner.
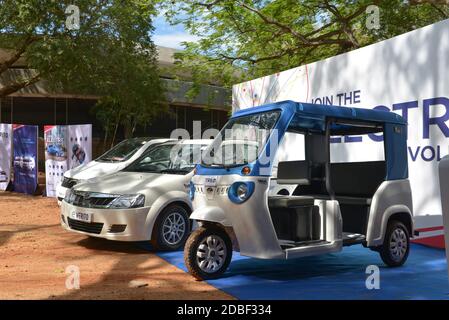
(110, 162)
(148, 200)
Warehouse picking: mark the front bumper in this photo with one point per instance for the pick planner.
(105, 221)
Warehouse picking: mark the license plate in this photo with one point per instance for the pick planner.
(210, 181)
(82, 216)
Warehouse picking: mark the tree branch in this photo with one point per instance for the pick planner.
(272, 21)
(444, 15)
(16, 86)
(8, 62)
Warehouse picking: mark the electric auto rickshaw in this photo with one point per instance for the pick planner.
(337, 202)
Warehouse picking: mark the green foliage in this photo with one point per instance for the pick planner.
(244, 39)
(111, 54)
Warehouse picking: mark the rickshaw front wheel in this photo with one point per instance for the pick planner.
(208, 252)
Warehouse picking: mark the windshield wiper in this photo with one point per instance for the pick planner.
(108, 160)
(174, 170)
(225, 166)
(139, 170)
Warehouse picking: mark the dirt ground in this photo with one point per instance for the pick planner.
(35, 252)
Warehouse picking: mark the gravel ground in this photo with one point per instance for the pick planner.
(35, 253)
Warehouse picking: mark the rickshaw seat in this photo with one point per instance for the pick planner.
(294, 172)
(289, 201)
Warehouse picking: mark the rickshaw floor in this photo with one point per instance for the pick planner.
(291, 244)
(341, 275)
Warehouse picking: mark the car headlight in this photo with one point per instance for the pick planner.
(128, 202)
(69, 196)
(240, 191)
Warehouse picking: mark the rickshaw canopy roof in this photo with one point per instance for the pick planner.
(337, 112)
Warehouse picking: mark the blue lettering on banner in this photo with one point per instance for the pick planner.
(439, 121)
(425, 153)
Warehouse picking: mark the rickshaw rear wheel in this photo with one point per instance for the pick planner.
(208, 252)
(395, 249)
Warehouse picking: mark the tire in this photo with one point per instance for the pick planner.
(171, 229)
(212, 238)
(395, 255)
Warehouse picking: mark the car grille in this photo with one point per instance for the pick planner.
(68, 182)
(88, 200)
(93, 227)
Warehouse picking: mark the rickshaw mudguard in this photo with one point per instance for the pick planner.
(211, 214)
(250, 220)
(392, 197)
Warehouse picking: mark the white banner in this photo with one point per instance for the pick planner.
(5, 155)
(79, 144)
(56, 160)
(408, 74)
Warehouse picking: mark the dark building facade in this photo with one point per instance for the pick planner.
(35, 105)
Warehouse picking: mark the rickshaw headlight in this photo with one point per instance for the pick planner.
(239, 192)
(242, 191)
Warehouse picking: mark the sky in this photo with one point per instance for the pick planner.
(170, 36)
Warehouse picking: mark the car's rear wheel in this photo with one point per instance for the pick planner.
(171, 229)
(207, 253)
(395, 249)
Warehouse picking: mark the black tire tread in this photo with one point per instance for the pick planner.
(384, 249)
(156, 240)
(190, 252)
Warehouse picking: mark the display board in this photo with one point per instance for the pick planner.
(25, 158)
(5, 155)
(56, 160)
(408, 74)
(79, 144)
(66, 147)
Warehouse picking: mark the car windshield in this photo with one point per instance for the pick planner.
(241, 140)
(168, 158)
(122, 151)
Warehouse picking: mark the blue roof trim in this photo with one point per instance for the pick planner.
(326, 110)
(395, 134)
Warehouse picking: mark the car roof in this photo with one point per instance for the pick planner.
(153, 141)
(325, 110)
(191, 141)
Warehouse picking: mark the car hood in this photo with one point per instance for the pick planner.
(94, 169)
(129, 182)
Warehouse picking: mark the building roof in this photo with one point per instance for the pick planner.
(209, 95)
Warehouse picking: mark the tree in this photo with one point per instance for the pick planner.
(108, 52)
(244, 39)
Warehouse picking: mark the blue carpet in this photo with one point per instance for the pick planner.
(332, 276)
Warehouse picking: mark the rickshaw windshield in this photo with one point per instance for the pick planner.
(241, 140)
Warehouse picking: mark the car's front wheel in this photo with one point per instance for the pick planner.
(171, 229)
(207, 253)
(396, 246)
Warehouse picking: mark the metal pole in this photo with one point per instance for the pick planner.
(12, 110)
(444, 192)
(54, 111)
(66, 111)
